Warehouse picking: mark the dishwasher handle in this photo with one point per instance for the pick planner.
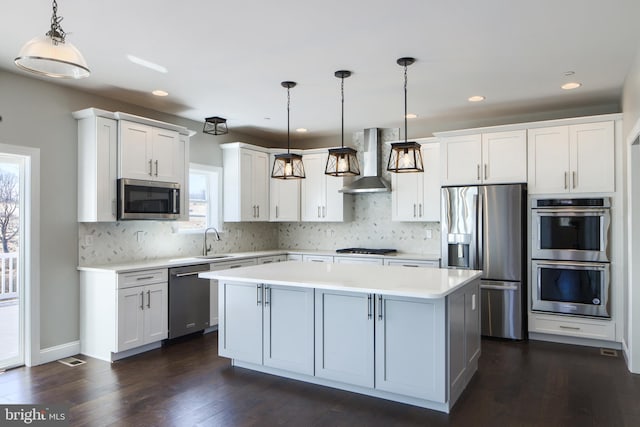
(193, 273)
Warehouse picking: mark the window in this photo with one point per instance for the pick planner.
(205, 198)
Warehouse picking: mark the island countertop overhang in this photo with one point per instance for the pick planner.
(428, 283)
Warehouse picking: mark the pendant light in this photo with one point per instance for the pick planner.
(342, 161)
(215, 126)
(405, 156)
(50, 55)
(288, 165)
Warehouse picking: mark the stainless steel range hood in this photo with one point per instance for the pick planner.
(371, 181)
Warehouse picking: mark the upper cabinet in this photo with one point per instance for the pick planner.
(284, 198)
(416, 196)
(150, 153)
(246, 182)
(321, 200)
(488, 158)
(120, 145)
(572, 159)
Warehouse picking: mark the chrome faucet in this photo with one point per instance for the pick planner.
(205, 248)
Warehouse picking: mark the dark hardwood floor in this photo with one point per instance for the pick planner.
(185, 384)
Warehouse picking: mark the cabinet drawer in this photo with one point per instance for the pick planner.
(271, 259)
(594, 329)
(317, 258)
(294, 257)
(139, 278)
(224, 265)
(411, 263)
(354, 260)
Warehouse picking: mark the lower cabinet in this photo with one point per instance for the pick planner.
(267, 325)
(213, 285)
(142, 315)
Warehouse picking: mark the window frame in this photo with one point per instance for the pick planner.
(215, 213)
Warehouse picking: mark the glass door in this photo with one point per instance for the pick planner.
(12, 215)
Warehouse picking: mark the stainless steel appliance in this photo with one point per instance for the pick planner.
(580, 288)
(140, 199)
(571, 229)
(366, 251)
(484, 228)
(188, 300)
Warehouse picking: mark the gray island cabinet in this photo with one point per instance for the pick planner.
(398, 333)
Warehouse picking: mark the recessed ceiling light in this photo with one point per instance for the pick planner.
(147, 64)
(411, 116)
(571, 85)
(301, 130)
(476, 98)
(159, 92)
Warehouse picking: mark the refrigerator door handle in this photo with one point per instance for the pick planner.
(479, 264)
(500, 287)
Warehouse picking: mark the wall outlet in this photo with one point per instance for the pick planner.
(139, 236)
(429, 233)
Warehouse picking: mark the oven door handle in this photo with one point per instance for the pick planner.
(570, 212)
(577, 265)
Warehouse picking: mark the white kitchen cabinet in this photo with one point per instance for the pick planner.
(122, 314)
(354, 260)
(213, 285)
(344, 337)
(317, 258)
(271, 259)
(97, 168)
(416, 196)
(150, 153)
(572, 159)
(284, 198)
(405, 362)
(412, 263)
(571, 326)
(267, 324)
(294, 257)
(488, 158)
(246, 182)
(321, 200)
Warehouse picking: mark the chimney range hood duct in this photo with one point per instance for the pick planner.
(371, 181)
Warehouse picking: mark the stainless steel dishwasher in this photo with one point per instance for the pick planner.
(188, 300)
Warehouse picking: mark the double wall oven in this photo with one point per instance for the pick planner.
(570, 253)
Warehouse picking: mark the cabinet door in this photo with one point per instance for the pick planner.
(248, 209)
(240, 322)
(333, 206)
(168, 160)
(344, 337)
(260, 177)
(548, 170)
(504, 157)
(407, 362)
(312, 188)
(288, 328)
(136, 148)
(155, 312)
(130, 318)
(405, 188)
(284, 199)
(429, 208)
(461, 158)
(592, 157)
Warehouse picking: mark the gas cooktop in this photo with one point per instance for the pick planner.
(366, 251)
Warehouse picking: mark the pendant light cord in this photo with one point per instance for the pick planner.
(288, 130)
(405, 103)
(342, 113)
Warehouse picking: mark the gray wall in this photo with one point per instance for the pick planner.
(37, 113)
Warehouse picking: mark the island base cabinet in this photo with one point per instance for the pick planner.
(344, 337)
(410, 345)
(267, 325)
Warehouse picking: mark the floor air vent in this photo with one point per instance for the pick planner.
(71, 361)
(608, 352)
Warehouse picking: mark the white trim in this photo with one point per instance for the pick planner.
(565, 339)
(59, 352)
(32, 254)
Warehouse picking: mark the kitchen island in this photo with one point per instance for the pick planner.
(399, 333)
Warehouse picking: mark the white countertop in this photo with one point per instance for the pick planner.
(126, 267)
(429, 283)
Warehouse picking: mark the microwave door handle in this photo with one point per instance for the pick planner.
(175, 201)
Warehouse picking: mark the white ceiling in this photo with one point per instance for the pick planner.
(227, 58)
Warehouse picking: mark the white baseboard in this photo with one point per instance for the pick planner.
(61, 351)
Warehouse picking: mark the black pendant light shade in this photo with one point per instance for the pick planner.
(405, 156)
(342, 161)
(288, 165)
(215, 126)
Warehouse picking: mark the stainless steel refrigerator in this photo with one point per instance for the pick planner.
(484, 228)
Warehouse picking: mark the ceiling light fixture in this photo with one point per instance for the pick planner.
(288, 165)
(51, 56)
(571, 85)
(476, 98)
(342, 161)
(215, 126)
(405, 156)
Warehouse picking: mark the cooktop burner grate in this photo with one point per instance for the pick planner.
(366, 251)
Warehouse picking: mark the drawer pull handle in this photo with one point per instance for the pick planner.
(572, 328)
(144, 278)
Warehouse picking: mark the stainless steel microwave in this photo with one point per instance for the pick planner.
(141, 199)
